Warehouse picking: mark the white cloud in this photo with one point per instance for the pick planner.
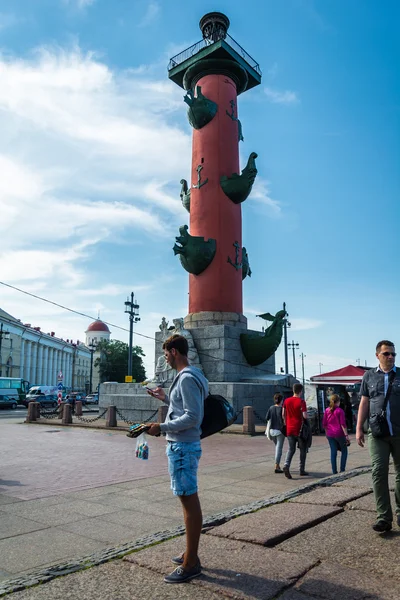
(261, 194)
(87, 155)
(278, 97)
(152, 11)
(81, 4)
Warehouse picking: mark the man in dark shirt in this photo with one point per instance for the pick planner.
(374, 387)
(294, 412)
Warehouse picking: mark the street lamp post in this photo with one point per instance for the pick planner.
(6, 335)
(92, 350)
(130, 309)
(286, 324)
(320, 367)
(303, 356)
(293, 346)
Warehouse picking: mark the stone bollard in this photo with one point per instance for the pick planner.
(248, 420)
(61, 410)
(31, 416)
(67, 414)
(162, 413)
(78, 408)
(37, 407)
(111, 418)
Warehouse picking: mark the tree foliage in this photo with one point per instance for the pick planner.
(113, 361)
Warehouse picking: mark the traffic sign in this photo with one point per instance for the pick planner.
(60, 386)
(60, 376)
(59, 397)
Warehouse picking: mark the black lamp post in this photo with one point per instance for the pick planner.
(294, 345)
(286, 324)
(130, 309)
(92, 349)
(6, 335)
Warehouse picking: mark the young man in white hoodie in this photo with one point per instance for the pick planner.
(182, 427)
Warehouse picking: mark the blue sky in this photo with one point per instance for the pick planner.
(95, 140)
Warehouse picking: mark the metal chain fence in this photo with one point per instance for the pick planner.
(262, 419)
(85, 420)
(119, 413)
(52, 414)
(237, 416)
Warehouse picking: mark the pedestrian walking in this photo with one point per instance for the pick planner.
(276, 427)
(334, 423)
(294, 412)
(380, 399)
(183, 429)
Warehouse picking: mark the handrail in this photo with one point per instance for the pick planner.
(204, 43)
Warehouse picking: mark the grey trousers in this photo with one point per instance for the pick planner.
(380, 450)
(292, 442)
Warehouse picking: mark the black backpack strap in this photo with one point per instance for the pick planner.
(392, 376)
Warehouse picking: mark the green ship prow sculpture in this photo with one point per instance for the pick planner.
(258, 348)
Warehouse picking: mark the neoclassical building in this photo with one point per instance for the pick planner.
(38, 357)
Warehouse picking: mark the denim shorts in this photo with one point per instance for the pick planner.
(183, 460)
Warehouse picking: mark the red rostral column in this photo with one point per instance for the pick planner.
(214, 72)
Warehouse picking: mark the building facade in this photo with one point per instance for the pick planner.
(38, 357)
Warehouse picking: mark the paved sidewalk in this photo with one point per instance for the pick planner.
(91, 501)
(317, 545)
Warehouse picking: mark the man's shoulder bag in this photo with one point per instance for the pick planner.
(378, 422)
(218, 414)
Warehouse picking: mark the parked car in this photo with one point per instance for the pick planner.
(45, 400)
(74, 396)
(8, 402)
(92, 399)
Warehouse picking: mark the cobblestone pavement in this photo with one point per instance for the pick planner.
(71, 492)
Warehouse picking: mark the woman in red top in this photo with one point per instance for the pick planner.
(334, 423)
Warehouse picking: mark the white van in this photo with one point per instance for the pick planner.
(45, 390)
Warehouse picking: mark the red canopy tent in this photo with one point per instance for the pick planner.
(327, 383)
(345, 376)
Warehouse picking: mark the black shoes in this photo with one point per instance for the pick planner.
(304, 473)
(178, 560)
(287, 472)
(181, 575)
(382, 526)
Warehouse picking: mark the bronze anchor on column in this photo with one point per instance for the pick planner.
(199, 182)
(235, 264)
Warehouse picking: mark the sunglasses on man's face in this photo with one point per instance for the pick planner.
(388, 353)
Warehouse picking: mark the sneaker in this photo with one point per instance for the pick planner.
(287, 472)
(382, 526)
(278, 470)
(180, 575)
(304, 473)
(178, 560)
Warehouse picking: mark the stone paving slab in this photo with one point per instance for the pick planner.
(4, 499)
(11, 525)
(332, 581)
(114, 581)
(231, 568)
(350, 540)
(57, 514)
(330, 496)
(16, 553)
(272, 525)
(364, 481)
(368, 503)
(123, 526)
(295, 595)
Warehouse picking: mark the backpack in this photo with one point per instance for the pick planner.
(218, 414)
